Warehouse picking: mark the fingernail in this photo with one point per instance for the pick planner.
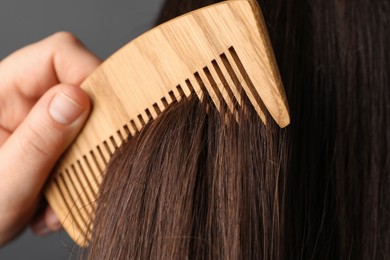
(63, 109)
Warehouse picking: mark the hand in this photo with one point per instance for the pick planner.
(42, 109)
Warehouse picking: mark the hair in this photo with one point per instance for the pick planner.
(201, 183)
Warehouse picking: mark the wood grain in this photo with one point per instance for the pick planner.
(218, 49)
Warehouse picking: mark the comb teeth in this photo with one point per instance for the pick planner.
(78, 186)
(190, 55)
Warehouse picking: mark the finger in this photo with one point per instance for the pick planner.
(60, 58)
(28, 73)
(39, 227)
(51, 220)
(38, 142)
(46, 223)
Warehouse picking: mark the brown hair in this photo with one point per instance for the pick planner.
(187, 186)
(197, 184)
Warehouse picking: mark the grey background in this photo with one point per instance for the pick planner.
(103, 26)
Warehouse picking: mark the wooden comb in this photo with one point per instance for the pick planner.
(218, 49)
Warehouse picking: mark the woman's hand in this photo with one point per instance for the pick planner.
(42, 109)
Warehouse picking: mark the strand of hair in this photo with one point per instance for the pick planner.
(60, 198)
(181, 92)
(82, 195)
(94, 173)
(70, 218)
(100, 153)
(92, 193)
(78, 184)
(74, 198)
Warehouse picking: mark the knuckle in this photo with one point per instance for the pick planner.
(65, 37)
(34, 143)
(58, 42)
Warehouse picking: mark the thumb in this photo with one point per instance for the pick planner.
(32, 150)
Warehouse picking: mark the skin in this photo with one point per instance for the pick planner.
(42, 109)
